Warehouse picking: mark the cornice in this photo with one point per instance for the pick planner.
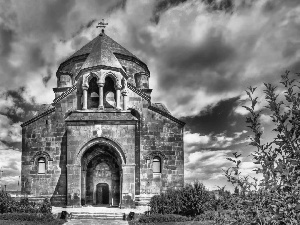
(140, 93)
(151, 107)
(65, 94)
(47, 112)
(135, 60)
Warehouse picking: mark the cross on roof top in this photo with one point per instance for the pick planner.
(102, 25)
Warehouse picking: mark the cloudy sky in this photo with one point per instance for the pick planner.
(202, 56)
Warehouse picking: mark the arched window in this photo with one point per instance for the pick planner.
(156, 164)
(41, 165)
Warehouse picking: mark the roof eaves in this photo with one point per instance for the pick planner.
(47, 112)
(140, 93)
(65, 94)
(155, 109)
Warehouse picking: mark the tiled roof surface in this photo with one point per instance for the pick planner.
(111, 44)
(101, 54)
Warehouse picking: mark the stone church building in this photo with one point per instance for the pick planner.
(102, 141)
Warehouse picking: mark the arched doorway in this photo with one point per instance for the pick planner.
(102, 194)
(101, 176)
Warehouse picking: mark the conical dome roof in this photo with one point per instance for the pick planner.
(109, 43)
(101, 54)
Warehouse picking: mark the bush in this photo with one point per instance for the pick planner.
(218, 217)
(27, 217)
(191, 200)
(276, 200)
(166, 203)
(9, 205)
(196, 199)
(159, 218)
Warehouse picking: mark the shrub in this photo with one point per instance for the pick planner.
(276, 201)
(191, 200)
(195, 199)
(218, 217)
(159, 218)
(166, 203)
(9, 205)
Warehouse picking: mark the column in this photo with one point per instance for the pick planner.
(79, 100)
(101, 106)
(124, 93)
(84, 98)
(118, 97)
(83, 185)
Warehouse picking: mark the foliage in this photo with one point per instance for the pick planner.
(9, 205)
(218, 217)
(276, 199)
(11, 222)
(191, 200)
(225, 200)
(158, 218)
(36, 218)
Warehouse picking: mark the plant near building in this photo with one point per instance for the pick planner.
(9, 205)
(191, 200)
(276, 199)
(196, 199)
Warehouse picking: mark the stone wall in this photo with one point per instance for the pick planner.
(164, 138)
(121, 132)
(140, 132)
(45, 138)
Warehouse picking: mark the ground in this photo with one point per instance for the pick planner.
(97, 222)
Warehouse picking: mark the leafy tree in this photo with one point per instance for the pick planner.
(276, 199)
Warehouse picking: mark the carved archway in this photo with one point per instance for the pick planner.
(99, 140)
(100, 163)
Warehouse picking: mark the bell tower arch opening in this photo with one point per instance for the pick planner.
(93, 94)
(109, 91)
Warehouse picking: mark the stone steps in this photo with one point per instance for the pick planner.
(142, 200)
(102, 215)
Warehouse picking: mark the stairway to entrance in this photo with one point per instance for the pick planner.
(105, 213)
(104, 216)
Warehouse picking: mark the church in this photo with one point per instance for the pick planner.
(102, 141)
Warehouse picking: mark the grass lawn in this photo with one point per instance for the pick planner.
(173, 223)
(11, 222)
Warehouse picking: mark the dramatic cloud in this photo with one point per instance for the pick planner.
(11, 168)
(202, 55)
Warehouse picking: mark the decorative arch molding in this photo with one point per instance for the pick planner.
(34, 160)
(87, 77)
(98, 140)
(116, 76)
(98, 151)
(101, 75)
(151, 155)
(41, 154)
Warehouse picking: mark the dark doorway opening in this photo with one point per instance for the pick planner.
(102, 194)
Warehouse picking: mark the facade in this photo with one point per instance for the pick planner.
(102, 141)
